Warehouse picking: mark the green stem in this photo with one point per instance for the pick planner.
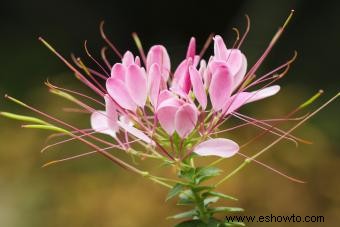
(200, 206)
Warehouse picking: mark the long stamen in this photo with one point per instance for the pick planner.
(247, 161)
(270, 46)
(206, 45)
(264, 128)
(272, 169)
(94, 60)
(50, 85)
(246, 32)
(102, 33)
(77, 60)
(104, 57)
(75, 110)
(264, 120)
(308, 102)
(90, 75)
(237, 37)
(80, 76)
(95, 147)
(80, 131)
(272, 127)
(139, 46)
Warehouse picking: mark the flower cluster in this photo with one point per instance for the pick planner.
(151, 95)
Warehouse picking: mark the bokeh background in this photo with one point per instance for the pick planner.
(92, 191)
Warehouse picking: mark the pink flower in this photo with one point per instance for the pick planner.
(128, 83)
(178, 109)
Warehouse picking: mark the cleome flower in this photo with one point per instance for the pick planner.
(150, 96)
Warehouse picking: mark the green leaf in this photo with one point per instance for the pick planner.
(174, 191)
(206, 173)
(187, 214)
(225, 209)
(23, 118)
(187, 173)
(213, 199)
(186, 197)
(221, 195)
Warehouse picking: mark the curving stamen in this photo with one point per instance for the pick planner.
(237, 37)
(308, 102)
(103, 35)
(246, 31)
(139, 46)
(76, 156)
(254, 123)
(272, 127)
(272, 169)
(50, 85)
(75, 110)
(206, 45)
(92, 71)
(78, 75)
(104, 57)
(80, 62)
(264, 78)
(94, 60)
(56, 135)
(263, 120)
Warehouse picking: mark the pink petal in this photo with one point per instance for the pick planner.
(224, 148)
(198, 88)
(235, 102)
(118, 91)
(185, 120)
(137, 61)
(166, 114)
(191, 48)
(136, 84)
(99, 123)
(263, 93)
(220, 48)
(155, 82)
(112, 115)
(242, 98)
(234, 60)
(135, 132)
(128, 59)
(220, 87)
(203, 68)
(181, 76)
(118, 71)
(158, 54)
(164, 95)
(239, 76)
(207, 74)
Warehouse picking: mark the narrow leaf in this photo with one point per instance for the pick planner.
(221, 195)
(187, 214)
(226, 209)
(174, 191)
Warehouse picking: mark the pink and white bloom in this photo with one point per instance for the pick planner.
(180, 108)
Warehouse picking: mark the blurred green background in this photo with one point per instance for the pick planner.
(92, 191)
